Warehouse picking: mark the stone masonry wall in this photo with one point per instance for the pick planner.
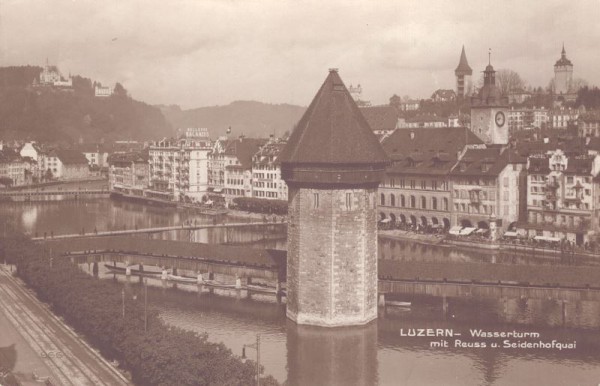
(332, 256)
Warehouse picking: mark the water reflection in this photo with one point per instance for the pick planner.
(340, 356)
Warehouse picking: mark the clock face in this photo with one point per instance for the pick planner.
(500, 118)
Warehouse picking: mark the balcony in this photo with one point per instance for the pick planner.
(552, 185)
(551, 196)
(474, 196)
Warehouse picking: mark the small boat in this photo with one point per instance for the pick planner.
(260, 288)
(136, 272)
(395, 303)
(214, 283)
(181, 279)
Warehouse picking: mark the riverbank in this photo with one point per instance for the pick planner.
(126, 333)
(46, 347)
(483, 245)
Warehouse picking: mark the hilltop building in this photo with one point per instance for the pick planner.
(51, 76)
(332, 164)
(463, 73)
(102, 92)
(442, 95)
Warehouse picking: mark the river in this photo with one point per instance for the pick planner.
(374, 354)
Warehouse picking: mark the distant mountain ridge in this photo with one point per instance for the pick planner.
(249, 118)
(66, 114)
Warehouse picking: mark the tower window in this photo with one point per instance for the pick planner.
(348, 201)
(315, 200)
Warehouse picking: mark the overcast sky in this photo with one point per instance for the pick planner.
(200, 53)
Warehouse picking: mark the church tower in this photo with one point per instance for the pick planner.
(489, 111)
(332, 164)
(563, 74)
(463, 74)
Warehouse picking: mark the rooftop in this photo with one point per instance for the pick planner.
(333, 131)
(383, 117)
(463, 65)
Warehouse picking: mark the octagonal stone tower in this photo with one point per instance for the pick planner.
(332, 164)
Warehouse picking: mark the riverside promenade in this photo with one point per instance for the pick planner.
(47, 349)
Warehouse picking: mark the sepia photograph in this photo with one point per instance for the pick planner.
(299, 193)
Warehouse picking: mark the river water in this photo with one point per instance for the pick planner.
(374, 354)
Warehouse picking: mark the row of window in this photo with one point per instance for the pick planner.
(476, 195)
(269, 176)
(479, 209)
(411, 202)
(260, 193)
(423, 184)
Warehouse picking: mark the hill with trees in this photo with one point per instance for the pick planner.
(48, 113)
(250, 118)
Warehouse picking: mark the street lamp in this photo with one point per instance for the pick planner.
(255, 346)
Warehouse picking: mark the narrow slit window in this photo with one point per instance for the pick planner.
(315, 200)
(348, 201)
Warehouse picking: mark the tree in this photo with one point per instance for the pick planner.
(6, 181)
(577, 84)
(120, 91)
(508, 80)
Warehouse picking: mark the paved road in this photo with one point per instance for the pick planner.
(70, 360)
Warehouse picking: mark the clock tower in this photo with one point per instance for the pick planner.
(489, 111)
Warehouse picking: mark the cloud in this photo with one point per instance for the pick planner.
(197, 53)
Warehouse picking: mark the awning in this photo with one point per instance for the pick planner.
(467, 231)
(547, 238)
(481, 231)
(455, 230)
(385, 221)
(510, 234)
(217, 190)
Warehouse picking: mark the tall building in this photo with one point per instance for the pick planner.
(179, 168)
(489, 109)
(463, 74)
(332, 164)
(563, 74)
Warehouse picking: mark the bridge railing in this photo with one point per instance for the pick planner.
(267, 258)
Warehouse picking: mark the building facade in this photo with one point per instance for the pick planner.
(561, 200)
(179, 168)
(129, 173)
(489, 186)
(417, 189)
(266, 172)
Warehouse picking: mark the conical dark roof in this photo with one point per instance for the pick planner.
(463, 64)
(333, 131)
